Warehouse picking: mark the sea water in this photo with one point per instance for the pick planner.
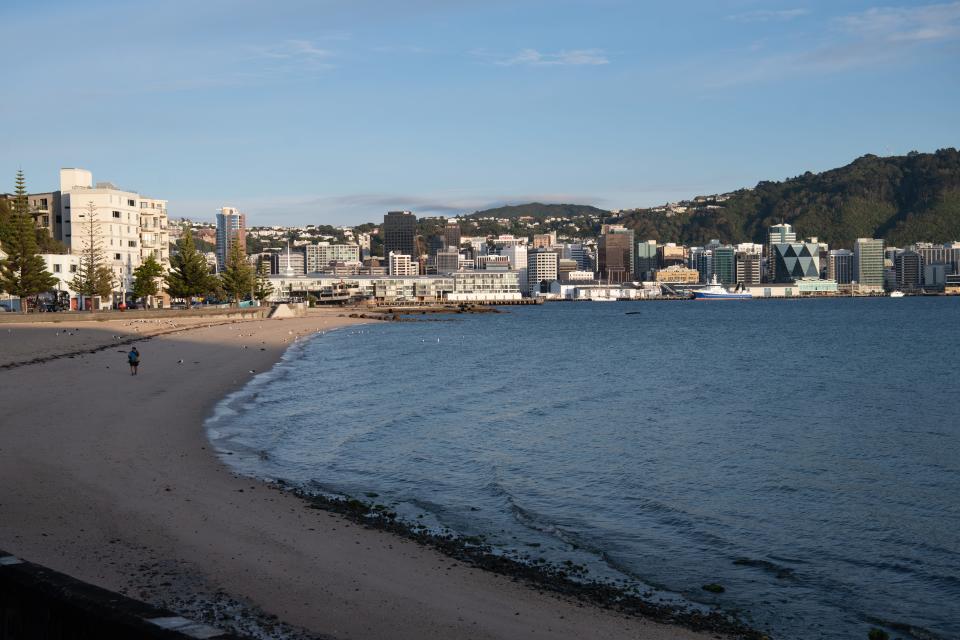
(805, 455)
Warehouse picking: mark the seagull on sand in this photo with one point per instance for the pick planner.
(180, 361)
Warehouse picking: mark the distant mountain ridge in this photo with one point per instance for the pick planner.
(902, 199)
(540, 211)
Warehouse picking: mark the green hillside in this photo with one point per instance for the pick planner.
(902, 199)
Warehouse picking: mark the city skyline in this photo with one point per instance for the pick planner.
(297, 114)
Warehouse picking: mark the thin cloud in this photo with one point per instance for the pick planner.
(877, 36)
(535, 58)
(782, 15)
(303, 53)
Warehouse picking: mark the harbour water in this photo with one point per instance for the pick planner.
(803, 454)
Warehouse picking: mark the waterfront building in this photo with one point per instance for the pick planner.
(908, 268)
(399, 234)
(795, 260)
(116, 224)
(868, 263)
(541, 270)
(935, 276)
(677, 274)
(63, 267)
(231, 231)
(802, 287)
(565, 266)
(645, 260)
(615, 254)
(748, 264)
(401, 265)
(463, 286)
(517, 256)
(840, 266)
(724, 264)
(701, 259)
(777, 234)
(577, 252)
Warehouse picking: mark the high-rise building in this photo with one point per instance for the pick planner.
(840, 266)
(670, 254)
(868, 262)
(777, 234)
(577, 252)
(795, 260)
(725, 265)
(451, 235)
(448, 260)
(400, 233)
(231, 231)
(541, 269)
(908, 265)
(615, 254)
(748, 266)
(645, 260)
(517, 255)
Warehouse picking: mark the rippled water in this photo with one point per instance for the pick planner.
(803, 454)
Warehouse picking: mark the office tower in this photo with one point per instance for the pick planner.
(748, 266)
(792, 261)
(670, 254)
(231, 231)
(724, 264)
(908, 266)
(840, 266)
(400, 233)
(541, 269)
(517, 254)
(868, 262)
(544, 240)
(777, 234)
(451, 235)
(448, 260)
(615, 254)
(645, 260)
(577, 252)
(701, 259)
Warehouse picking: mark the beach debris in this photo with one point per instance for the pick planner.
(713, 587)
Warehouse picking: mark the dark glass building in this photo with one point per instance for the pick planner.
(400, 233)
(795, 260)
(615, 255)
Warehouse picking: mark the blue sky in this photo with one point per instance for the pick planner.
(332, 112)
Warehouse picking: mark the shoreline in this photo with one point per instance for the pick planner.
(111, 479)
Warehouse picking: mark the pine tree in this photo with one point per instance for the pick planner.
(237, 277)
(189, 274)
(262, 288)
(145, 277)
(23, 272)
(93, 277)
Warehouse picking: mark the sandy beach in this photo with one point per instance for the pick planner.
(110, 478)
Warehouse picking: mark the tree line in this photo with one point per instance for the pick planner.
(23, 272)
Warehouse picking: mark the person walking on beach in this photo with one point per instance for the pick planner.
(134, 359)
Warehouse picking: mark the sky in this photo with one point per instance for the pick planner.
(335, 111)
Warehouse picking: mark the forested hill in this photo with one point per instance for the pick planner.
(902, 199)
(541, 211)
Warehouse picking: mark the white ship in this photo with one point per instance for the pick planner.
(716, 291)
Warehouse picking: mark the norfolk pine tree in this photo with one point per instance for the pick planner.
(189, 274)
(93, 277)
(262, 288)
(237, 277)
(145, 277)
(23, 272)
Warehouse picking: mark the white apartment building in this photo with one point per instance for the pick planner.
(517, 255)
(320, 255)
(402, 265)
(127, 226)
(541, 267)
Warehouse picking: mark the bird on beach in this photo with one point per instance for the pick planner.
(252, 371)
(180, 361)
